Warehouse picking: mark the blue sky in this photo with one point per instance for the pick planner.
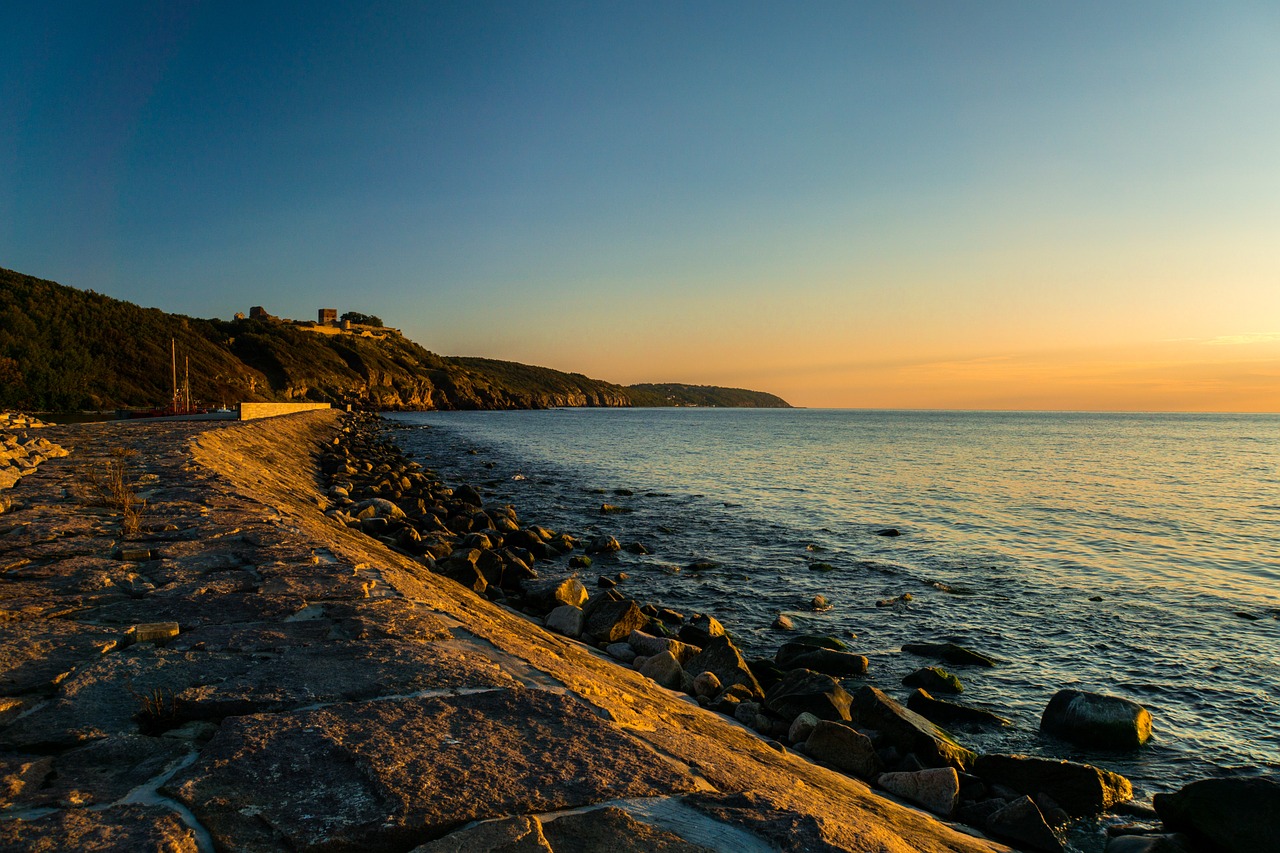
(800, 197)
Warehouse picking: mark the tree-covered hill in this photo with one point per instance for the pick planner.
(674, 394)
(63, 349)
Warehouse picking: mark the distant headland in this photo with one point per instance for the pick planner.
(63, 349)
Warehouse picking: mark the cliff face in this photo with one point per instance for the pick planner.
(66, 349)
(63, 349)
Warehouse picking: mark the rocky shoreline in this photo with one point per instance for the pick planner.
(262, 661)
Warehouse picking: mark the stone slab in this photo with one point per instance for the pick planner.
(400, 772)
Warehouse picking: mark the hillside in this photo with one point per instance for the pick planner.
(63, 349)
(674, 394)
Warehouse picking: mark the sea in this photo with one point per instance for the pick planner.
(1136, 555)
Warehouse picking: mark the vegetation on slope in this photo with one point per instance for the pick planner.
(63, 349)
(674, 394)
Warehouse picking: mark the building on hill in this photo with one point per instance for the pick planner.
(328, 316)
(257, 312)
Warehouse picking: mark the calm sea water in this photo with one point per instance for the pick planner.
(1011, 523)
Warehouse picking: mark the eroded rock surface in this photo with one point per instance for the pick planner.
(251, 667)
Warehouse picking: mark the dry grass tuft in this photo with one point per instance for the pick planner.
(111, 485)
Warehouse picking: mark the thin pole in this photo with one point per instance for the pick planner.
(186, 379)
(173, 356)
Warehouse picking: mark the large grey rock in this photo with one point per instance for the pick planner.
(1228, 815)
(553, 592)
(1096, 721)
(664, 669)
(649, 645)
(803, 691)
(700, 630)
(937, 789)
(1081, 789)
(803, 656)
(566, 619)
(907, 731)
(721, 658)
(1021, 822)
(612, 621)
(843, 748)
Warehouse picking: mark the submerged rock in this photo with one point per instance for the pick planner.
(950, 652)
(1096, 720)
(934, 678)
(943, 713)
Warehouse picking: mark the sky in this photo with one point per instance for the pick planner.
(951, 204)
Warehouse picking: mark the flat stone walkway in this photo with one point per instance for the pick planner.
(243, 673)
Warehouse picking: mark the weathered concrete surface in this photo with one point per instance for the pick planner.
(326, 693)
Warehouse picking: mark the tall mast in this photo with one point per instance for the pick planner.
(173, 357)
(186, 379)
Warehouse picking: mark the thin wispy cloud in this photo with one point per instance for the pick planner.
(1244, 340)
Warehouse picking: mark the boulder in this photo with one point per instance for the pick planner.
(803, 691)
(1022, 823)
(566, 619)
(1227, 815)
(801, 656)
(844, 748)
(647, 644)
(721, 657)
(946, 713)
(937, 789)
(621, 651)
(1081, 789)
(467, 495)
(553, 592)
(603, 545)
(783, 622)
(822, 641)
(611, 621)
(907, 731)
(664, 669)
(934, 678)
(950, 652)
(700, 630)
(801, 727)
(706, 684)
(1096, 721)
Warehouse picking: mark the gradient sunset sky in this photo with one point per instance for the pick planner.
(1069, 205)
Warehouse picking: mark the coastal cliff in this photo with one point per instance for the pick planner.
(244, 672)
(63, 349)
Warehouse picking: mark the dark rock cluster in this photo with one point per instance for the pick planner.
(796, 699)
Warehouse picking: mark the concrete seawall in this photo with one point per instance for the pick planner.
(303, 687)
(253, 411)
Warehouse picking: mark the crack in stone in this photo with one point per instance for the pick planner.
(148, 794)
